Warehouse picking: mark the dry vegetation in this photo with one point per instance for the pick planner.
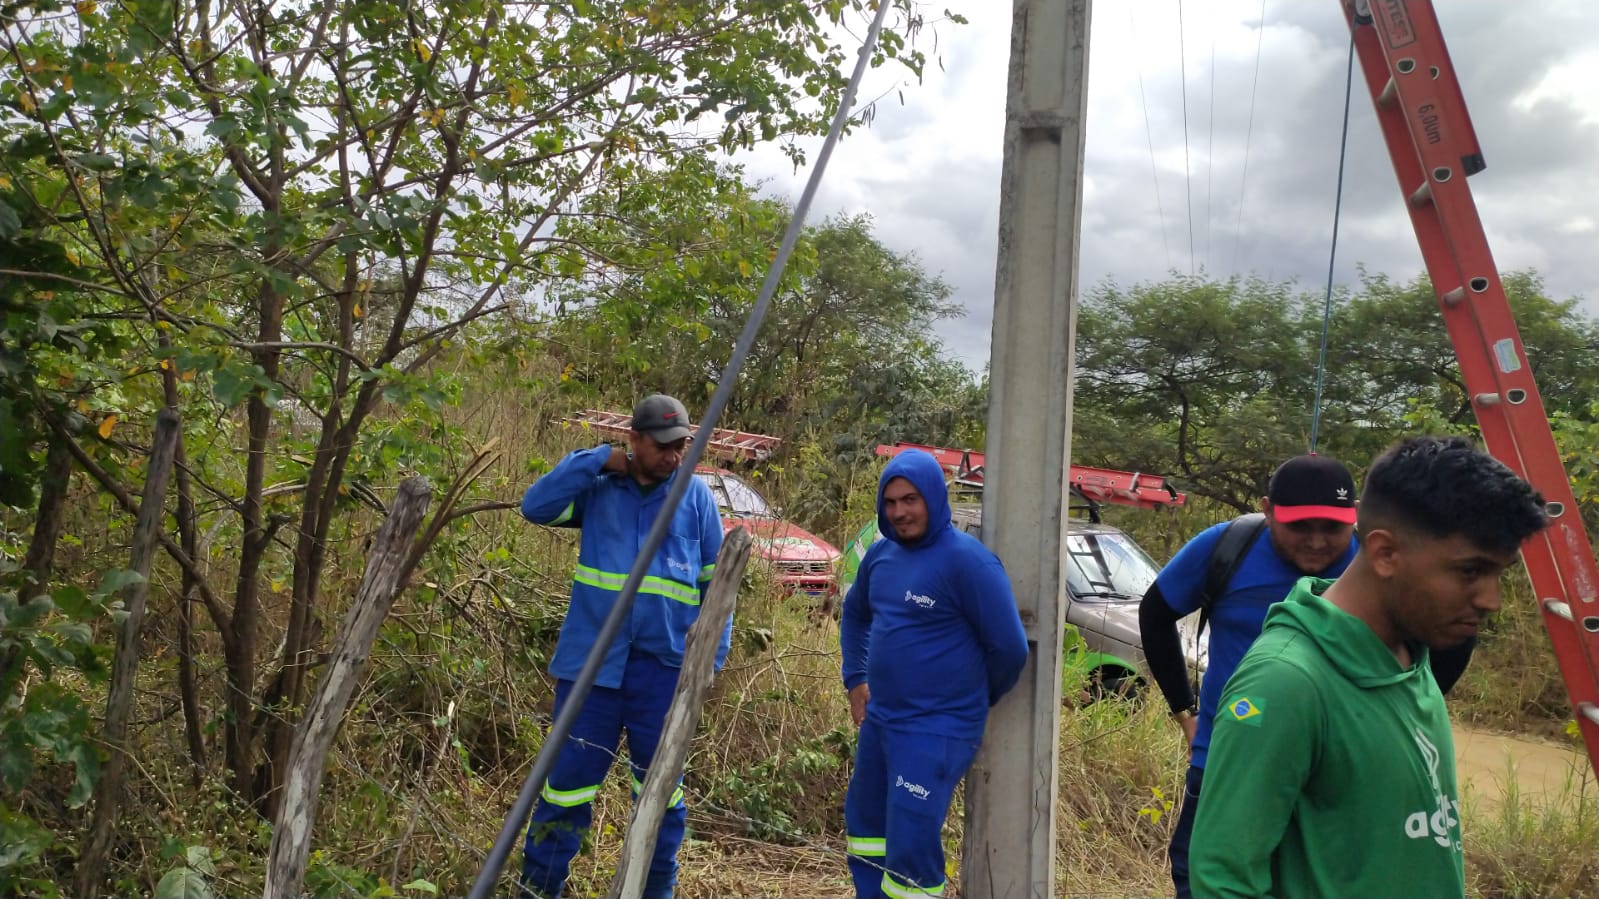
(453, 709)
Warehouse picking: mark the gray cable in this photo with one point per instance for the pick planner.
(561, 728)
(1249, 132)
(1149, 137)
(1188, 180)
(1332, 253)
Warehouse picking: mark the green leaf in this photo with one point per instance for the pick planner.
(231, 385)
(29, 612)
(223, 127)
(16, 767)
(183, 883)
(421, 885)
(97, 162)
(87, 760)
(200, 859)
(23, 840)
(117, 578)
(10, 222)
(73, 601)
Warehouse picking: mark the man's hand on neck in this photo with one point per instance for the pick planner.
(617, 461)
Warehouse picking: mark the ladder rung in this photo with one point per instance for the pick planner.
(1589, 711)
(1454, 297)
(1487, 399)
(1389, 92)
(1564, 611)
(1422, 195)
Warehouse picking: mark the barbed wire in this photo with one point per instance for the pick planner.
(699, 803)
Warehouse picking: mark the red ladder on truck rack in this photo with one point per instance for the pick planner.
(737, 446)
(1104, 485)
(1430, 138)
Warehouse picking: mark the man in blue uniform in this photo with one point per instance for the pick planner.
(1310, 530)
(614, 496)
(931, 639)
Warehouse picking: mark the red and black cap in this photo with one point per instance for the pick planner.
(1312, 487)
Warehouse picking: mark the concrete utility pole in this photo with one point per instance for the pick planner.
(1009, 848)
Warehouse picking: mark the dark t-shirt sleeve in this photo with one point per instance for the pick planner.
(1449, 664)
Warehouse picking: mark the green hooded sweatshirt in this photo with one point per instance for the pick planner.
(1332, 769)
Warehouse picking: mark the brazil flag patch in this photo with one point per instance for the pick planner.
(1246, 711)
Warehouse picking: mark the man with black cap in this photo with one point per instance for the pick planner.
(614, 495)
(1309, 530)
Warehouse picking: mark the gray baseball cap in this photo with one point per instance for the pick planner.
(663, 418)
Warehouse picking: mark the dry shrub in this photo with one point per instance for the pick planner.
(1121, 768)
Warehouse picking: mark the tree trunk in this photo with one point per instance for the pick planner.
(188, 692)
(47, 525)
(119, 701)
(319, 502)
(693, 682)
(257, 538)
(386, 568)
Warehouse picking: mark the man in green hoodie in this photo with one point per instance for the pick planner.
(1332, 767)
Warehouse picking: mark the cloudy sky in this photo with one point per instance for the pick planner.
(928, 170)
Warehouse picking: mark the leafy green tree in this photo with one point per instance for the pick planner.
(845, 349)
(1214, 381)
(292, 210)
(1193, 378)
(1388, 350)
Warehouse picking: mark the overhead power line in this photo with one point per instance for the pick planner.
(1188, 182)
(1149, 135)
(1249, 131)
(1210, 148)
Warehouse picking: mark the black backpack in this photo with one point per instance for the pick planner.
(1235, 542)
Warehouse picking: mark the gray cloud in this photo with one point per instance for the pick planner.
(928, 171)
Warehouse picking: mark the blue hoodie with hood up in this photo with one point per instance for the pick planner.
(930, 625)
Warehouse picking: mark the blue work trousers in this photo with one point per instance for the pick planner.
(1183, 833)
(894, 810)
(566, 803)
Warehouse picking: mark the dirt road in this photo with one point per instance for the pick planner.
(1485, 760)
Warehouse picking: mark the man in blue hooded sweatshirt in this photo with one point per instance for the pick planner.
(931, 639)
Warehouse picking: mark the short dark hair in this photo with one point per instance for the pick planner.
(1445, 486)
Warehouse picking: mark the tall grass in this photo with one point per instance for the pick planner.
(456, 701)
(1525, 844)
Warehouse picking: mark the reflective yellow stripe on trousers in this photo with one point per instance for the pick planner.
(896, 890)
(867, 846)
(677, 794)
(570, 798)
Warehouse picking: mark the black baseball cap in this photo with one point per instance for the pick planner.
(663, 418)
(1312, 487)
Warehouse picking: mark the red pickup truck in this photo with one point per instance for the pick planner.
(797, 559)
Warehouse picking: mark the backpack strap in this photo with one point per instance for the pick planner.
(1234, 543)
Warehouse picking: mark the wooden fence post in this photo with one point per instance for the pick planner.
(693, 682)
(385, 568)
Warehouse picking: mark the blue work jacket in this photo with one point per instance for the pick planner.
(615, 515)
